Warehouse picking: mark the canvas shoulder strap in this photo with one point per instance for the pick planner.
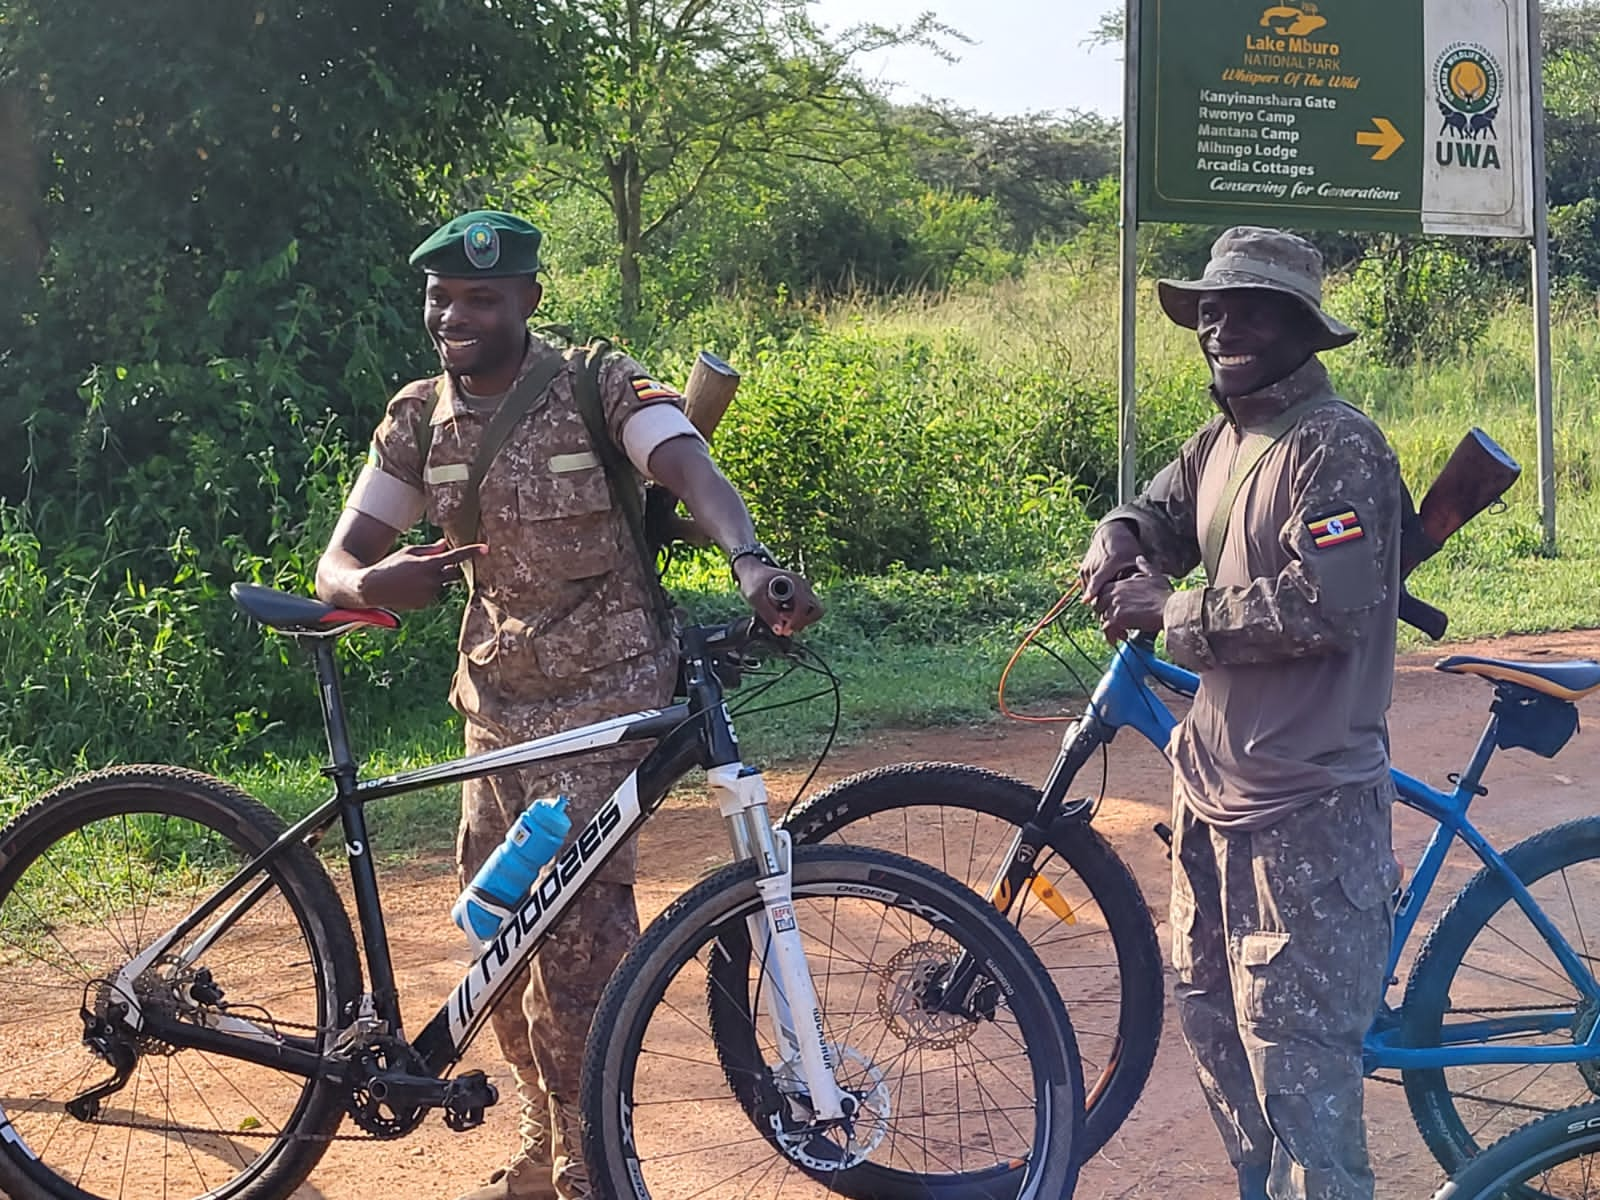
(511, 411)
(1253, 451)
(424, 430)
(620, 475)
(619, 471)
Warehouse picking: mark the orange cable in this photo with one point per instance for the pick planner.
(1039, 627)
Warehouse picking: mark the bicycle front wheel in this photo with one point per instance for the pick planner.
(1085, 916)
(686, 1092)
(1487, 975)
(1555, 1158)
(90, 877)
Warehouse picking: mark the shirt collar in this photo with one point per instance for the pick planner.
(451, 405)
(1307, 380)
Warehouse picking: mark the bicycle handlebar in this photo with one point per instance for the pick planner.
(781, 590)
(735, 636)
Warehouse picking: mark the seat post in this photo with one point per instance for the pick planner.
(341, 763)
(1467, 781)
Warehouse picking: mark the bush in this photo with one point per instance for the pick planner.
(858, 452)
(1415, 298)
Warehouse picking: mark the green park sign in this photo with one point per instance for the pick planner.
(1404, 115)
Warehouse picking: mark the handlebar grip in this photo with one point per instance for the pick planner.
(1421, 615)
(781, 591)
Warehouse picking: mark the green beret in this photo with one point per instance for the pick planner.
(480, 245)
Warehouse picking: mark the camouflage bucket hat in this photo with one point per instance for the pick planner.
(1250, 257)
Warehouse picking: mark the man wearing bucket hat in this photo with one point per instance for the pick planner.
(562, 624)
(1282, 867)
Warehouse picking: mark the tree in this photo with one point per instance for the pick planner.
(1031, 166)
(21, 238)
(680, 91)
(1110, 30)
(223, 192)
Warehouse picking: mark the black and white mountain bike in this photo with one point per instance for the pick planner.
(185, 1012)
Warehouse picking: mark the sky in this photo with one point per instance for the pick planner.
(1025, 56)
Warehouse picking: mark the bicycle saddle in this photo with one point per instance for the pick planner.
(1562, 680)
(288, 613)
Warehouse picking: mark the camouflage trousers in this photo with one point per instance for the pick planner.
(1279, 941)
(543, 1021)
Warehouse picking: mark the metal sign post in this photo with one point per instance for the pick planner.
(1543, 388)
(1127, 423)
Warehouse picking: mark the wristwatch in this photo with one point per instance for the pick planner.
(753, 550)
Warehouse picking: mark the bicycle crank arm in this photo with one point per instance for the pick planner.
(463, 1098)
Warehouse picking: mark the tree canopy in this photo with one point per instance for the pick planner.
(222, 195)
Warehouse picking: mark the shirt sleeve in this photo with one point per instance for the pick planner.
(627, 389)
(1342, 543)
(1164, 513)
(389, 488)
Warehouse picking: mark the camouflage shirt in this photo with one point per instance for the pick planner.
(1294, 640)
(561, 603)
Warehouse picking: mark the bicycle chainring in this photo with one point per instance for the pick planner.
(378, 1118)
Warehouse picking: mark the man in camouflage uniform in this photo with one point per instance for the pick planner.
(562, 625)
(1282, 867)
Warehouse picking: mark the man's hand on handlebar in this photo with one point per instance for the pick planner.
(1111, 555)
(1136, 604)
(783, 600)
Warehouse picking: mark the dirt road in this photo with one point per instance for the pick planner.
(1168, 1147)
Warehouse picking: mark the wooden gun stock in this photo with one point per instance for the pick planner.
(708, 393)
(1477, 474)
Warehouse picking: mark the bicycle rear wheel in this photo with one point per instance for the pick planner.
(1555, 1158)
(1485, 961)
(684, 1098)
(1096, 938)
(90, 876)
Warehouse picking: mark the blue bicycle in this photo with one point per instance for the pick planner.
(1499, 1014)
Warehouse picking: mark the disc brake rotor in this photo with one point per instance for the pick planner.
(909, 996)
(833, 1145)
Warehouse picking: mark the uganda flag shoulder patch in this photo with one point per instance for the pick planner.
(646, 388)
(1335, 528)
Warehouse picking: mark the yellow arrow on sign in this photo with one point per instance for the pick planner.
(1386, 138)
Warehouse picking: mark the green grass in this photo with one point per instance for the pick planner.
(909, 650)
(926, 648)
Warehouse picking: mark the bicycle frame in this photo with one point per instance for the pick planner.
(693, 733)
(1123, 699)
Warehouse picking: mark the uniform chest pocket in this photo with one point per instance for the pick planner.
(446, 487)
(566, 514)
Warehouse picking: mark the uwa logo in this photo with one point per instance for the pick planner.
(1468, 83)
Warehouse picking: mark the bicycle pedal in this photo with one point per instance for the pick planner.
(466, 1096)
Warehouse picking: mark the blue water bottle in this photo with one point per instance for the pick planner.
(507, 877)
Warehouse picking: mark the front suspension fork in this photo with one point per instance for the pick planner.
(788, 989)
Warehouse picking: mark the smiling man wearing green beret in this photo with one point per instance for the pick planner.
(563, 622)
